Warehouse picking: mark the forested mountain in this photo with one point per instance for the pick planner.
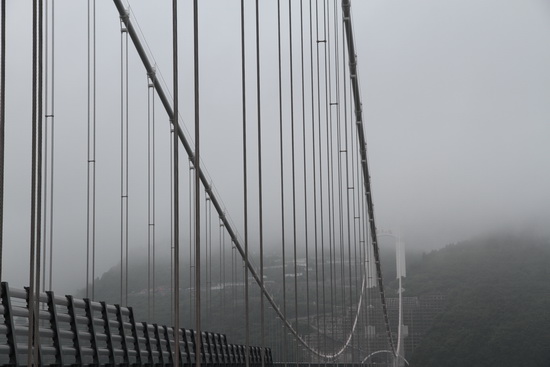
(499, 303)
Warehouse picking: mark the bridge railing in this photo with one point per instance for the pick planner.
(83, 332)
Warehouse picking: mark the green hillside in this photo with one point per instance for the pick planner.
(499, 303)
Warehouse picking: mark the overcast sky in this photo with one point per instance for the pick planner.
(455, 99)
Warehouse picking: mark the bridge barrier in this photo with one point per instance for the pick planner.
(83, 332)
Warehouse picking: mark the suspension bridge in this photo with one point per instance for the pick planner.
(258, 239)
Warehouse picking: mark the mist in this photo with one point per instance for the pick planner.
(455, 99)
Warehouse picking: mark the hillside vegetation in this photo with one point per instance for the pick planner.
(499, 303)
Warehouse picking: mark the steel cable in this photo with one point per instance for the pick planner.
(90, 188)
(245, 186)
(281, 166)
(306, 224)
(2, 126)
(216, 203)
(150, 199)
(293, 165)
(32, 266)
(38, 184)
(260, 184)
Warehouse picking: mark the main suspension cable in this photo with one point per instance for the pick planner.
(364, 164)
(208, 188)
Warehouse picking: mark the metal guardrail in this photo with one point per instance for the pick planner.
(83, 332)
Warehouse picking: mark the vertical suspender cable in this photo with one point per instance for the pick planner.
(233, 278)
(314, 164)
(172, 132)
(39, 180)
(175, 202)
(282, 170)
(30, 303)
(349, 186)
(321, 211)
(206, 262)
(32, 265)
(191, 178)
(91, 216)
(197, 176)
(209, 233)
(208, 257)
(124, 164)
(245, 189)
(49, 97)
(221, 236)
(2, 125)
(52, 141)
(150, 198)
(330, 173)
(306, 224)
(45, 203)
(38, 183)
(336, 104)
(260, 184)
(294, 240)
(341, 209)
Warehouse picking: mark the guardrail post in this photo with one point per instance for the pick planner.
(55, 328)
(30, 308)
(168, 346)
(107, 326)
(148, 343)
(8, 320)
(74, 329)
(159, 344)
(91, 329)
(122, 333)
(135, 336)
(187, 351)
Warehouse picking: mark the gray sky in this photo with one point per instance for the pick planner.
(455, 98)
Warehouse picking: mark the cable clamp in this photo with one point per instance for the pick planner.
(126, 16)
(208, 189)
(151, 74)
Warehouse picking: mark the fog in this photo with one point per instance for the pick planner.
(455, 98)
